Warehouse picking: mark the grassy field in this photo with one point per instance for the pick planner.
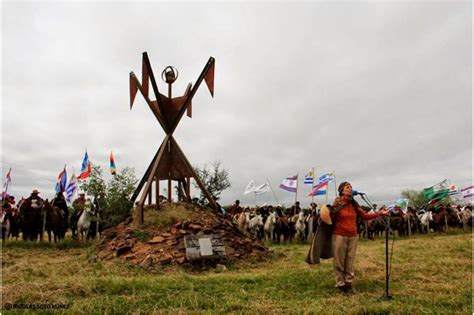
(430, 274)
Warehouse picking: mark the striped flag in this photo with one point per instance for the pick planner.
(468, 192)
(8, 180)
(290, 183)
(85, 168)
(71, 188)
(320, 189)
(250, 187)
(453, 190)
(62, 180)
(326, 177)
(260, 190)
(113, 170)
(309, 178)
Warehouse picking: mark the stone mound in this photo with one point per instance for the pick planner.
(161, 240)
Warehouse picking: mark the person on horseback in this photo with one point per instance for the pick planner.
(60, 202)
(78, 208)
(35, 199)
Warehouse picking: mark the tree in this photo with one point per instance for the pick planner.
(117, 200)
(95, 185)
(215, 179)
(113, 198)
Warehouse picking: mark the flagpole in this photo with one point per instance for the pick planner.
(335, 183)
(296, 193)
(312, 196)
(274, 195)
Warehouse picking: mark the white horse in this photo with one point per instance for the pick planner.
(5, 219)
(466, 217)
(300, 226)
(425, 219)
(269, 226)
(243, 220)
(254, 224)
(84, 222)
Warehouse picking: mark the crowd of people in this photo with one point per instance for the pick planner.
(26, 214)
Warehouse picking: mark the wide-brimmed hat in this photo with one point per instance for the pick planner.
(35, 191)
(325, 215)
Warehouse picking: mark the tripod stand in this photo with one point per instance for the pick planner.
(386, 296)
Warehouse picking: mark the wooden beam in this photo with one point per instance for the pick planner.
(181, 112)
(159, 116)
(147, 63)
(196, 177)
(153, 170)
(145, 176)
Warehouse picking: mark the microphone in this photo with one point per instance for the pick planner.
(355, 193)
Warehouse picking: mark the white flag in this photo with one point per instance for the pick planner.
(262, 189)
(250, 188)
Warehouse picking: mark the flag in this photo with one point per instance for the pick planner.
(62, 180)
(438, 191)
(71, 188)
(250, 187)
(85, 168)
(320, 189)
(402, 203)
(326, 178)
(262, 189)
(113, 170)
(453, 190)
(289, 183)
(8, 180)
(309, 178)
(468, 192)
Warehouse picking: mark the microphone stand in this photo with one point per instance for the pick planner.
(386, 296)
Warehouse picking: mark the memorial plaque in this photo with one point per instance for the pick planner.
(204, 247)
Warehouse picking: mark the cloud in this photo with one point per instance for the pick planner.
(378, 92)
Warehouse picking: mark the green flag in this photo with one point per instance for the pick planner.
(436, 192)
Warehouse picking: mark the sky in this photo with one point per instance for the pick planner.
(378, 92)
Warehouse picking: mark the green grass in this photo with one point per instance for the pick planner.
(430, 274)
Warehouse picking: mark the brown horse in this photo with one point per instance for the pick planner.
(30, 220)
(439, 220)
(54, 221)
(282, 227)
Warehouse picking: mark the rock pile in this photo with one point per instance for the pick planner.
(157, 244)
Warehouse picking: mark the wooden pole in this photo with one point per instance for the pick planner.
(196, 177)
(150, 177)
(274, 195)
(296, 193)
(157, 191)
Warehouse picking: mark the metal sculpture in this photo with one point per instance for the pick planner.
(169, 162)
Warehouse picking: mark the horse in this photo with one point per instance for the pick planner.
(6, 219)
(281, 228)
(269, 226)
(54, 221)
(425, 219)
(243, 220)
(30, 219)
(439, 220)
(300, 226)
(254, 224)
(84, 223)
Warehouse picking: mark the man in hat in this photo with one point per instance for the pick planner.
(35, 199)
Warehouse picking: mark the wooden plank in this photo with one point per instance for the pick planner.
(196, 177)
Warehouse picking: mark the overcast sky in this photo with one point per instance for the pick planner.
(379, 92)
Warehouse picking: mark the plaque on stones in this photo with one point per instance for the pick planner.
(204, 246)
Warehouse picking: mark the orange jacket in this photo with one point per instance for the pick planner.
(345, 220)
